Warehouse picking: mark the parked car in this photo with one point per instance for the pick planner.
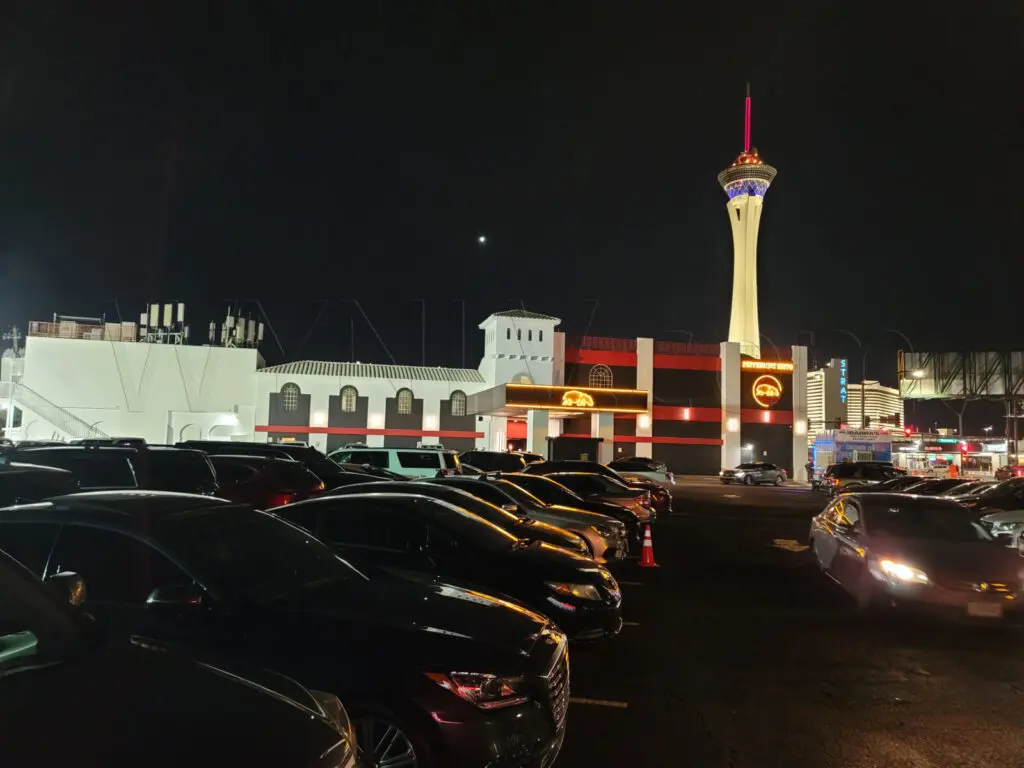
(411, 462)
(494, 461)
(605, 538)
(914, 551)
(969, 488)
(933, 486)
(431, 674)
(896, 484)
(518, 525)
(642, 467)
(399, 533)
(315, 462)
(857, 473)
(594, 487)
(264, 481)
(660, 498)
(21, 483)
(552, 492)
(54, 656)
(1009, 471)
(754, 473)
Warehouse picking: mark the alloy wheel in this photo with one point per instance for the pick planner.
(382, 744)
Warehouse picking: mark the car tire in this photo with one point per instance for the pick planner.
(778, 480)
(749, 480)
(372, 724)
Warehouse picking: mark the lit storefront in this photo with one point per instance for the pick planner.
(834, 446)
(932, 456)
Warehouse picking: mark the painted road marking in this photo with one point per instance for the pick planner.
(631, 623)
(599, 702)
(790, 545)
(731, 495)
(631, 583)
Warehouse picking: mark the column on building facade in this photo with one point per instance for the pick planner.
(731, 403)
(800, 413)
(537, 431)
(602, 425)
(320, 404)
(495, 429)
(645, 381)
(375, 418)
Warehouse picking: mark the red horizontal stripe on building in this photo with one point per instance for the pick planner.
(756, 416)
(681, 412)
(601, 356)
(688, 362)
(452, 433)
(660, 440)
(575, 434)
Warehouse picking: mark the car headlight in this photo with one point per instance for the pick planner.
(893, 570)
(605, 530)
(1005, 527)
(484, 690)
(579, 591)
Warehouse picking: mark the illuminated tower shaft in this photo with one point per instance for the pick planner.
(745, 182)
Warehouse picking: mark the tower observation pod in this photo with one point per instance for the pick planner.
(745, 182)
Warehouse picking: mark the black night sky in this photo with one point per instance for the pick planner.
(296, 152)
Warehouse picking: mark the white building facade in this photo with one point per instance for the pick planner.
(883, 406)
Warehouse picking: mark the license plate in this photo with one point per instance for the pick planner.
(986, 610)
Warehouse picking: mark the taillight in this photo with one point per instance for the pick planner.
(280, 499)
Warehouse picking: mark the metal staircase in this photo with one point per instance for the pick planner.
(62, 419)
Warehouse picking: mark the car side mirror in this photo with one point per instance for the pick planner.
(68, 586)
(177, 601)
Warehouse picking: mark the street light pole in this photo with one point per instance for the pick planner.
(863, 372)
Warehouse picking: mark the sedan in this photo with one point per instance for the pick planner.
(422, 536)
(605, 538)
(519, 526)
(641, 466)
(600, 488)
(915, 551)
(754, 473)
(660, 498)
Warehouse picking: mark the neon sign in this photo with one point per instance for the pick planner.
(576, 399)
(767, 391)
(843, 372)
(767, 365)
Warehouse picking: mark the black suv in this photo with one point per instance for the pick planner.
(21, 483)
(857, 473)
(432, 675)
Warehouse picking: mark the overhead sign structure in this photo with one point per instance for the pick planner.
(767, 365)
(767, 391)
(600, 399)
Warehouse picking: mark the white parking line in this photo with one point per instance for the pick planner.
(600, 702)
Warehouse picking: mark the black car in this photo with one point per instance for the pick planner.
(550, 491)
(53, 656)
(897, 484)
(494, 461)
(1005, 496)
(933, 486)
(20, 483)
(315, 462)
(431, 674)
(660, 498)
(519, 526)
(424, 535)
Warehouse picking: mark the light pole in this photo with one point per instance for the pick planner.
(863, 371)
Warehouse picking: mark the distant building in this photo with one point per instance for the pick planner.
(827, 398)
(883, 407)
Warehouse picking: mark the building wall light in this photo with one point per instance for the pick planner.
(766, 417)
(376, 421)
(430, 422)
(686, 414)
(644, 421)
(319, 419)
(732, 425)
(800, 427)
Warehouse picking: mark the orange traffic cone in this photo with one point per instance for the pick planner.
(647, 553)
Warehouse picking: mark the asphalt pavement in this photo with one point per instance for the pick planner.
(737, 652)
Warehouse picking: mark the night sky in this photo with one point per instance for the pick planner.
(208, 152)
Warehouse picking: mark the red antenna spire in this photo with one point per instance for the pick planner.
(746, 124)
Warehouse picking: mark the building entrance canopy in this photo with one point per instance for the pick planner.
(514, 400)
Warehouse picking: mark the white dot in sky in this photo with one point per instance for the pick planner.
(482, 239)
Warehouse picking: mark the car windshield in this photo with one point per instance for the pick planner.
(252, 556)
(922, 522)
(547, 490)
(472, 528)
(36, 629)
(466, 500)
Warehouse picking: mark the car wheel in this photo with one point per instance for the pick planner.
(386, 742)
(749, 480)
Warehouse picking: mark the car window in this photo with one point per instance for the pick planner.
(292, 475)
(521, 496)
(482, 490)
(18, 487)
(845, 471)
(117, 568)
(373, 458)
(582, 484)
(873, 472)
(232, 472)
(29, 543)
(379, 524)
(547, 489)
(467, 498)
(174, 470)
(419, 460)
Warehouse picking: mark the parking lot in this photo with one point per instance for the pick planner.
(737, 652)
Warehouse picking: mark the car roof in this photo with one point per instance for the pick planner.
(257, 459)
(126, 510)
(902, 500)
(126, 449)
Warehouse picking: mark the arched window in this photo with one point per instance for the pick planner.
(458, 402)
(290, 397)
(600, 376)
(404, 398)
(349, 398)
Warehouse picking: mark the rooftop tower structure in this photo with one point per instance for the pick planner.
(745, 182)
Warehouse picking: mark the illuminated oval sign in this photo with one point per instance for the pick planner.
(767, 391)
(576, 399)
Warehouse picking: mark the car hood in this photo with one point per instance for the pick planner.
(548, 563)
(539, 527)
(168, 711)
(944, 560)
(414, 615)
(1011, 516)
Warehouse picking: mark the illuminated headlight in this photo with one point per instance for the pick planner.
(607, 530)
(579, 591)
(1003, 528)
(484, 690)
(891, 570)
